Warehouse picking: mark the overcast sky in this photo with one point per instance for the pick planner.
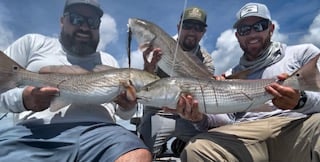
(297, 21)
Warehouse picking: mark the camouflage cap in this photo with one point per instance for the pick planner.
(195, 13)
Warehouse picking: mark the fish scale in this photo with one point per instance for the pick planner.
(217, 96)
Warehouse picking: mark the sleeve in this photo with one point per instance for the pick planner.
(125, 114)
(312, 104)
(19, 51)
(11, 101)
(213, 120)
(208, 61)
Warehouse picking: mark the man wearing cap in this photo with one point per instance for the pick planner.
(75, 132)
(288, 127)
(191, 28)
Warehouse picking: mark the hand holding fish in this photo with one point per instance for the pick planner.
(38, 98)
(150, 66)
(284, 97)
(127, 99)
(187, 108)
(221, 77)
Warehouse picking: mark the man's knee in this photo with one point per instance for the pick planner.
(138, 155)
(193, 151)
(205, 150)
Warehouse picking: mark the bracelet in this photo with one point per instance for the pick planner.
(302, 100)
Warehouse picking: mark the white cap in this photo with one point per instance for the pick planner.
(252, 9)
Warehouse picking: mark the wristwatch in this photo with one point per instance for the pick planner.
(302, 100)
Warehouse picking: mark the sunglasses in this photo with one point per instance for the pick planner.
(259, 26)
(195, 26)
(78, 20)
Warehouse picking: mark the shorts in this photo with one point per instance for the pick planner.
(67, 142)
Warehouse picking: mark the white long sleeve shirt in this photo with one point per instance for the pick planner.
(34, 51)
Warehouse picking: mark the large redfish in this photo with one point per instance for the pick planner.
(225, 96)
(174, 61)
(87, 88)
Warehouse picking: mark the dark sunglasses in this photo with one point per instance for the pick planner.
(259, 26)
(78, 20)
(195, 26)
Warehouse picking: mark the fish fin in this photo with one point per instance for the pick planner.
(307, 77)
(239, 75)
(144, 46)
(99, 68)
(58, 103)
(9, 70)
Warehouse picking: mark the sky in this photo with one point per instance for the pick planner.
(297, 21)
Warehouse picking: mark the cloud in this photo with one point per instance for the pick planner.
(228, 51)
(277, 36)
(136, 60)
(313, 34)
(108, 31)
(6, 34)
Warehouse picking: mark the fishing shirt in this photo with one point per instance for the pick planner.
(34, 51)
(294, 57)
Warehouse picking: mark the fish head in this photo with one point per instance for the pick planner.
(161, 93)
(142, 31)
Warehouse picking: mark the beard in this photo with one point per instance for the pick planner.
(189, 44)
(78, 48)
(256, 52)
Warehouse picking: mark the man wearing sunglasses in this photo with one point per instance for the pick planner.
(287, 128)
(75, 132)
(191, 28)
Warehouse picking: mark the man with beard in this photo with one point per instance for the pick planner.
(75, 132)
(191, 28)
(287, 128)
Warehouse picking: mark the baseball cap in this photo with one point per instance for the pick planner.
(195, 13)
(93, 3)
(252, 9)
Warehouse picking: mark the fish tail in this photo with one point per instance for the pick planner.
(307, 77)
(8, 72)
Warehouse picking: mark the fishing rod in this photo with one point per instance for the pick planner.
(177, 45)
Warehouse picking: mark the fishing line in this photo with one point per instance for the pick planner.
(4, 115)
(158, 133)
(177, 45)
(129, 46)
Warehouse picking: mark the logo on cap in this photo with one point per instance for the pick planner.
(249, 9)
(195, 12)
